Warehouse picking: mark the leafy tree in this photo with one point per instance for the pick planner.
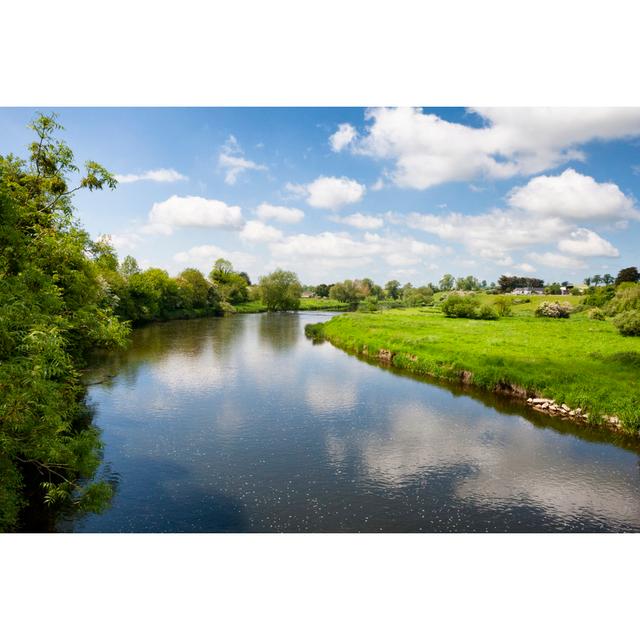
(446, 282)
(280, 290)
(630, 274)
(608, 279)
(468, 284)
(322, 290)
(346, 291)
(392, 289)
(54, 308)
(587, 281)
(232, 286)
(597, 279)
(194, 289)
(129, 267)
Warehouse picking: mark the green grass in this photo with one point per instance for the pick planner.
(306, 304)
(583, 363)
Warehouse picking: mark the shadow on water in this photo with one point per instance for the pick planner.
(164, 506)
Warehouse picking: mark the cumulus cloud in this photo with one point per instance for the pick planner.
(288, 215)
(556, 260)
(329, 192)
(427, 150)
(154, 175)
(333, 250)
(203, 256)
(122, 241)
(587, 243)
(257, 231)
(232, 161)
(342, 137)
(490, 235)
(359, 221)
(191, 211)
(574, 196)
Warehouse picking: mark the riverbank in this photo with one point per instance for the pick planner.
(575, 365)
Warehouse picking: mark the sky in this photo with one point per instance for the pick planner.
(385, 193)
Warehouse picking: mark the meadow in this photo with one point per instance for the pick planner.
(306, 304)
(578, 361)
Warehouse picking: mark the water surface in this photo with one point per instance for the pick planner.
(242, 424)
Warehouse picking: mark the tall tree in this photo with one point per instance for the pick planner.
(280, 290)
(53, 309)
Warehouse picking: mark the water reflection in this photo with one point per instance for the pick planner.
(241, 424)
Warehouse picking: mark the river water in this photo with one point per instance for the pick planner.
(242, 424)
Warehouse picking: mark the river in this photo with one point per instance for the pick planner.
(241, 424)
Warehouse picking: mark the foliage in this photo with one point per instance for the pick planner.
(369, 304)
(487, 312)
(554, 310)
(322, 290)
(630, 274)
(503, 305)
(54, 307)
(509, 283)
(628, 323)
(233, 287)
(596, 314)
(598, 297)
(315, 332)
(456, 306)
(626, 298)
(280, 290)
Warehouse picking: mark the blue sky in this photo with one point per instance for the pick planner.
(333, 193)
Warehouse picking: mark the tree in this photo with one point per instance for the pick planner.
(630, 274)
(129, 267)
(607, 278)
(587, 281)
(280, 290)
(446, 282)
(597, 279)
(322, 290)
(346, 291)
(232, 286)
(194, 289)
(392, 289)
(54, 308)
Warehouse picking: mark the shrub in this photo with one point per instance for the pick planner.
(457, 306)
(599, 296)
(554, 310)
(315, 332)
(596, 314)
(487, 312)
(369, 304)
(628, 323)
(627, 298)
(521, 300)
(503, 305)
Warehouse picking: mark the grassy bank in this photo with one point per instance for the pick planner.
(306, 304)
(583, 363)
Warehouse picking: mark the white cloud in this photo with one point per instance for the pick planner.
(427, 150)
(258, 231)
(573, 196)
(191, 211)
(233, 162)
(359, 221)
(329, 192)
(342, 137)
(335, 250)
(556, 260)
(586, 243)
(124, 241)
(154, 175)
(288, 215)
(490, 235)
(203, 256)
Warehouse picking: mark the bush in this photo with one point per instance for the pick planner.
(521, 300)
(503, 305)
(627, 298)
(599, 296)
(315, 332)
(596, 314)
(487, 312)
(628, 323)
(554, 310)
(457, 306)
(369, 304)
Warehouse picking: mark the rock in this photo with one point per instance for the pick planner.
(545, 405)
(538, 401)
(565, 407)
(572, 413)
(530, 400)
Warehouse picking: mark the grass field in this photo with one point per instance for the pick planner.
(581, 362)
(306, 304)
